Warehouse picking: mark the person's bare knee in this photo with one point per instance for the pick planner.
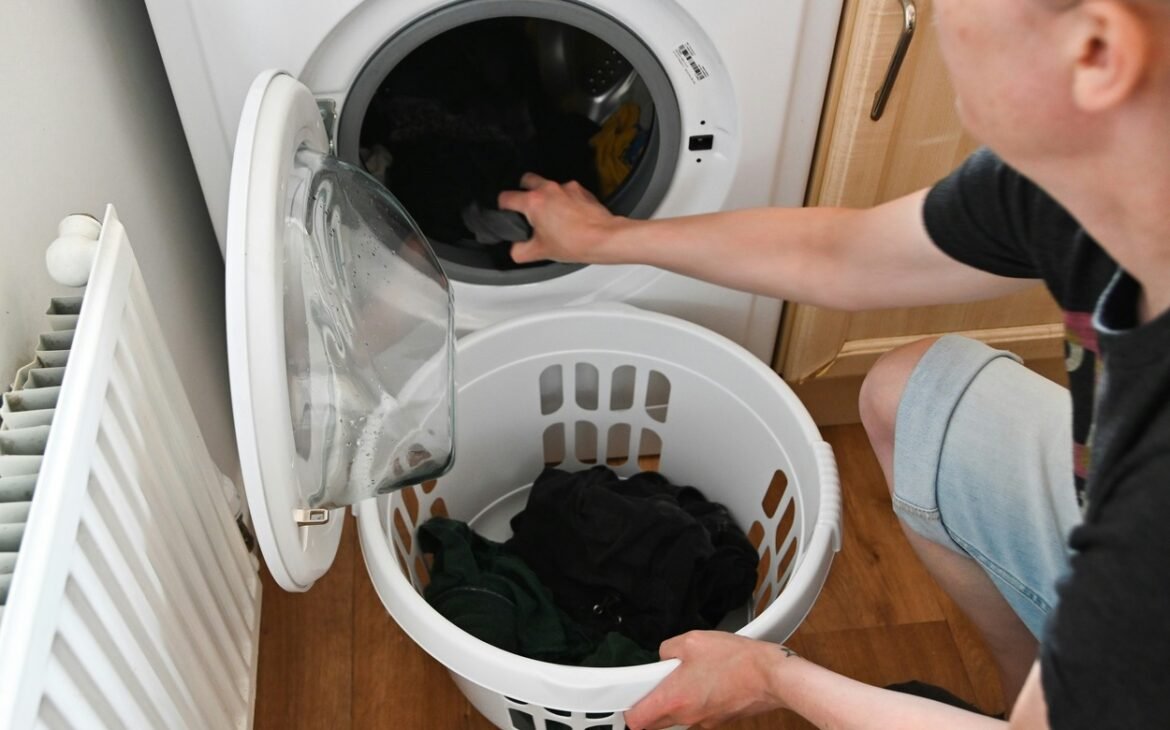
(881, 392)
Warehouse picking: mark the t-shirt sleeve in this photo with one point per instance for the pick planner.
(1105, 659)
(981, 216)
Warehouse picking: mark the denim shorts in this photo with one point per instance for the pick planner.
(983, 466)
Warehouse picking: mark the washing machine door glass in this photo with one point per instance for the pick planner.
(340, 334)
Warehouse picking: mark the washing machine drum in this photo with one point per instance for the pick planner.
(455, 108)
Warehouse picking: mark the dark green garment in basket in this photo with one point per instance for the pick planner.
(490, 593)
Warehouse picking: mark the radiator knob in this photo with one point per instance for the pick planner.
(70, 257)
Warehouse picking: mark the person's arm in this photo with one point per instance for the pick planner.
(724, 676)
(833, 257)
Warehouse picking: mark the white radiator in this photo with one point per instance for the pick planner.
(133, 601)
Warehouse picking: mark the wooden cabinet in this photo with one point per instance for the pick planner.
(861, 162)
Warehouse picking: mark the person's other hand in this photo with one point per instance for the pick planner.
(722, 677)
(568, 223)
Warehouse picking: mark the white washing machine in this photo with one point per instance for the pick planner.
(662, 107)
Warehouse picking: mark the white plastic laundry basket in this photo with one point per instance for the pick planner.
(607, 384)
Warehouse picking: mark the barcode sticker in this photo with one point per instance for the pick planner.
(685, 53)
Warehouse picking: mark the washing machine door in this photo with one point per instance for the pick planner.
(340, 335)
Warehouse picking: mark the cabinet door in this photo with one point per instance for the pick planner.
(861, 162)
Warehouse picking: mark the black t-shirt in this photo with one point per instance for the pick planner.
(1105, 653)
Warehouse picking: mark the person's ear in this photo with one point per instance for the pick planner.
(1112, 51)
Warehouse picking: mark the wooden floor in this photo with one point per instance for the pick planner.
(334, 659)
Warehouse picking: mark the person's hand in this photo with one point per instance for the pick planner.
(568, 223)
(722, 677)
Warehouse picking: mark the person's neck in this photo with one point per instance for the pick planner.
(1155, 300)
(1125, 207)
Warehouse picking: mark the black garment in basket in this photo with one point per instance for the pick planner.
(640, 555)
(487, 591)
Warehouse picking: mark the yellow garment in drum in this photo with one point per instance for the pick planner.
(610, 145)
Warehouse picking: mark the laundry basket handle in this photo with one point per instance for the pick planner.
(830, 515)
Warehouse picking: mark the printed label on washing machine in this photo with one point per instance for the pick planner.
(685, 54)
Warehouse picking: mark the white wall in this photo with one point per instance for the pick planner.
(89, 120)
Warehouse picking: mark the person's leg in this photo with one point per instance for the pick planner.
(957, 425)
(1011, 643)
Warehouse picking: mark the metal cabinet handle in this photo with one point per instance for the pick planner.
(909, 23)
